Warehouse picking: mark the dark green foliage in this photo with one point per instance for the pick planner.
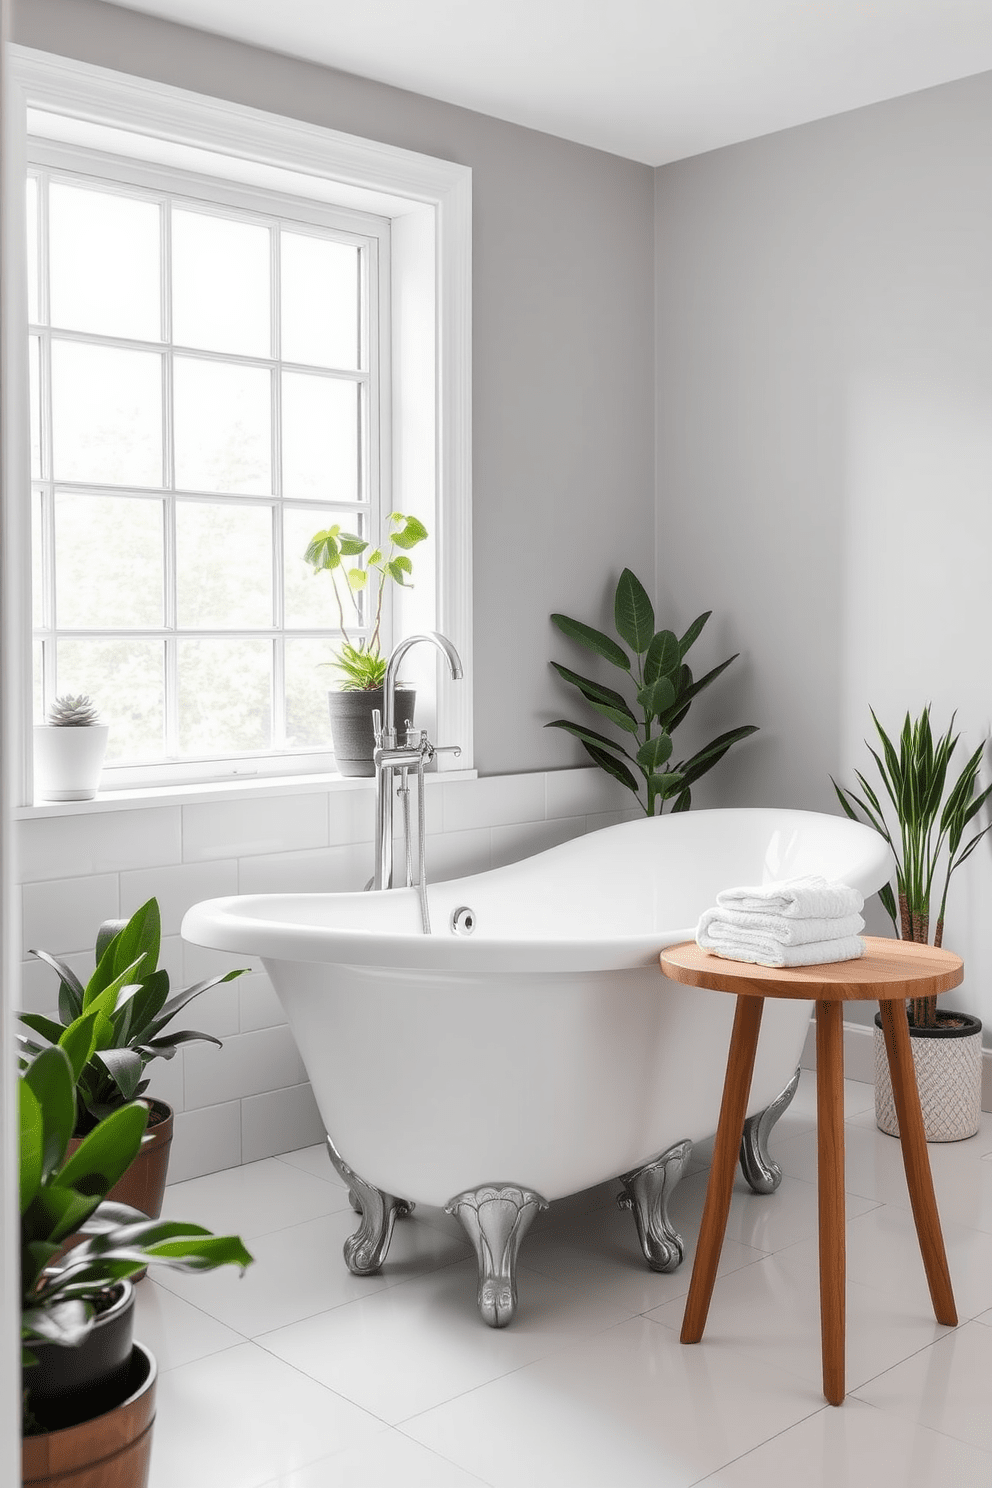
(664, 688)
(114, 1026)
(62, 1196)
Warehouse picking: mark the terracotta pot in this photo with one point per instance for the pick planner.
(143, 1185)
(351, 726)
(112, 1450)
(948, 1064)
(69, 1385)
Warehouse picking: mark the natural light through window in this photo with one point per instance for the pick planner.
(205, 395)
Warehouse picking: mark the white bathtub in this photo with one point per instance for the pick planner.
(544, 1050)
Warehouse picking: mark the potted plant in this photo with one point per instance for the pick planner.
(88, 1389)
(69, 749)
(663, 689)
(127, 1003)
(360, 662)
(929, 846)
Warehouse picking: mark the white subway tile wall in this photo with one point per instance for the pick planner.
(250, 1099)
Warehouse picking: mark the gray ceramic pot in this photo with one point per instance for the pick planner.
(351, 726)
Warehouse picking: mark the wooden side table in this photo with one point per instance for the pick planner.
(890, 972)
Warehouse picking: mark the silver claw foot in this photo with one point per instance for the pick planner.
(763, 1174)
(647, 1191)
(496, 1218)
(365, 1250)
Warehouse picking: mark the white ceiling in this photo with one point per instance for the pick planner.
(655, 80)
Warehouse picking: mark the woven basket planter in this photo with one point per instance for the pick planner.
(948, 1063)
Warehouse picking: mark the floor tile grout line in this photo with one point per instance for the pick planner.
(758, 1446)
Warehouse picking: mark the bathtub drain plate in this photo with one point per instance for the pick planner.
(462, 920)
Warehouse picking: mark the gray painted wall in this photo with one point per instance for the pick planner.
(563, 343)
(824, 387)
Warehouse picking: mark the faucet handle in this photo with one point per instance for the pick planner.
(377, 727)
(454, 749)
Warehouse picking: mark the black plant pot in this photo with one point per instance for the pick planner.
(69, 1385)
(351, 726)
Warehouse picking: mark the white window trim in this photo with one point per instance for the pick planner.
(429, 204)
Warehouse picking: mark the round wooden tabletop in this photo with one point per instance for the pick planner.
(889, 969)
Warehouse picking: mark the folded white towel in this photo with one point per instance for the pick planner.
(814, 953)
(748, 927)
(812, 897)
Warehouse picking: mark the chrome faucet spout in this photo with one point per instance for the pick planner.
(389, 755)
(435, 638)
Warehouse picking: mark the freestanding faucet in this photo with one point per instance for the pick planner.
(391, 756)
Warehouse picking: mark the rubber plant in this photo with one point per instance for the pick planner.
(933, 817)
(663, 687)
(127, 1001)
(362, 665)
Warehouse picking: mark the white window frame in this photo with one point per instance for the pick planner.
(428, 204)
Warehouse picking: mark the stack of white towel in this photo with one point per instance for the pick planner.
(795, 922)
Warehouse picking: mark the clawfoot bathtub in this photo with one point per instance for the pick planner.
(529, 1047)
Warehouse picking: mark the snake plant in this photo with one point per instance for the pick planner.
(932, 820)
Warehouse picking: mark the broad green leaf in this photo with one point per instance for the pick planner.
(323, 550)
(683, 801)
(668, 784)
(173, 1006)
(375, 557)
(125, 1068)
(713, 752)
(70, 987)
(32, 1143)
(104, 999)
(140, 1008)
(695, 688)
(351, 544)
(593, 640)
(593, 692)
(611, 765)
(410, 534)
(588, 736)
(888, 899)
(107, 932)
(50, 1080)
(398, 568)
(655, 752)
(203, 1254)
(47, 1027)
(656, 698)
(164, 1048)
(357, 579)
(663, 656)
(79, 1041)
(692, 634)
(57, 1212)
(136, 945)
(106, 1152)
(622, 717)
(633, 613)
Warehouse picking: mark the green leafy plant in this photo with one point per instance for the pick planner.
(361, 663)
(933, 817)
(126, 1005)
(663, 687)
(62, 1196)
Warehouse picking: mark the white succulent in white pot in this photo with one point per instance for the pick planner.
(69, 750)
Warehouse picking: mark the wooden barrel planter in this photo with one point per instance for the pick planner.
(112, 1450)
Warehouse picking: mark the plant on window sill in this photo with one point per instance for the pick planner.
(362, 665)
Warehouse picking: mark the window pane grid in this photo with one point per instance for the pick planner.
(265, 488)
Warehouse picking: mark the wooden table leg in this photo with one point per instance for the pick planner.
(733, 1109)
(830, 1187)
(916, 1160)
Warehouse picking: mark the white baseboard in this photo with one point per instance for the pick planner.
(859, 1058)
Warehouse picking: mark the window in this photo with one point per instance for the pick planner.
(205, 395)
(240, 329)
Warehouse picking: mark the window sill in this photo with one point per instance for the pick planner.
(188, 794)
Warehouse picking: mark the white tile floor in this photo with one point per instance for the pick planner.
(300, 1375)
